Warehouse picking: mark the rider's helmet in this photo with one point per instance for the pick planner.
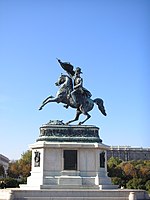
(78, 70)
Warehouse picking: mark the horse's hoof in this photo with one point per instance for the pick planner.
(68, 123)
(40, 108)
(66, 106)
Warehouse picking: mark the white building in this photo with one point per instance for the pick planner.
(4, 161)
(127, 153)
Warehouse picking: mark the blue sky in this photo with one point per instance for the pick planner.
(108, 39)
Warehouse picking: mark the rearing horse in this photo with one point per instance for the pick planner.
(64, 96)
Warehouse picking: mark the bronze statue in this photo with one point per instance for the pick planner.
(73, 94)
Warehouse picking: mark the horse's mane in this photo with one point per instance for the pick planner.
(70, 81)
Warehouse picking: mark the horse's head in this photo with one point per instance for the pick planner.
(61, 80)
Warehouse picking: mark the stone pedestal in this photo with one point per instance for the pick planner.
(68, 157)
(69, 162)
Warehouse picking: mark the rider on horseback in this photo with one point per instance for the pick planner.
(79, 91)
(73, 94)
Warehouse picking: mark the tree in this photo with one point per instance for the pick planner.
(22, 167)
(129, 169)
(113, 162)
(114, 169)
(144, 172)
(25, 164)
(131, 174)
(13, 169)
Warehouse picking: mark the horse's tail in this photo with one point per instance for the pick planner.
(100, 104)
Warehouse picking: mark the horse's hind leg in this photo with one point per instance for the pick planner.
(78, 113)
(88, 116)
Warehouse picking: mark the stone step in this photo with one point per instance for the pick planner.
(73, 198)
(73, 194)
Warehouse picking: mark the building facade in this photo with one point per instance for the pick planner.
(4, 161)
(127, 153)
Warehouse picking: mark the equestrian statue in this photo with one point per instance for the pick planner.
(73, 94)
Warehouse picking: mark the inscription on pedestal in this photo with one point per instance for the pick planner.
(70, 159)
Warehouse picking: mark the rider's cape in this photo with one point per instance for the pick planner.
(86, 92)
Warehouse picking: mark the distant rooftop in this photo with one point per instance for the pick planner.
(4, 158)
(129, 153)
(129, 147)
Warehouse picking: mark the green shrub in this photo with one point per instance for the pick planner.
(118, 181)
(135, 183)
(147, 185)
(10, 182)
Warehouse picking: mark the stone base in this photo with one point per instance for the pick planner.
(50, 172)
(68, 157)
(72, 194)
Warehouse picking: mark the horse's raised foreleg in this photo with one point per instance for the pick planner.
(78, 113)
(88, 116)
(48, 100)
(49, 97)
